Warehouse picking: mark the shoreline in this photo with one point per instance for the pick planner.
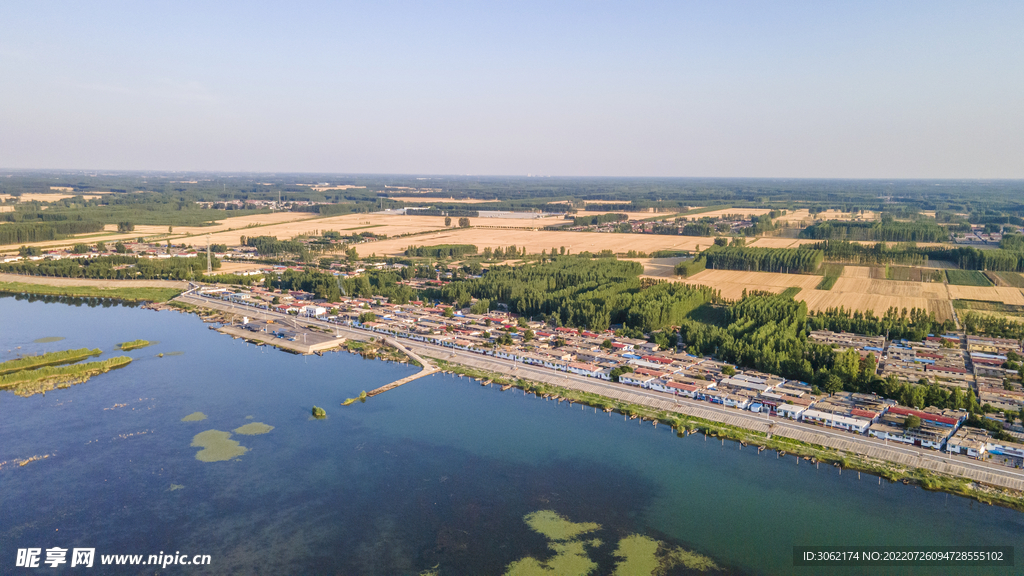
(683, 424)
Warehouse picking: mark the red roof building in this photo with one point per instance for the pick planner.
(936, 418)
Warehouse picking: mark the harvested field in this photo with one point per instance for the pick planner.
(778, 242)
(53, 281)
(235, 267)
(387, 224)
(727, 212)
(440, 200)
(55, 197)
(891, 288)
(732, 282)
(822, 300)
(857, 272)
(536, 240)
(1004, 294)
(221, 226)
(878, 272)
(631, 215)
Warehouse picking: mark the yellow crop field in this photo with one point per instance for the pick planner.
(891, 288)
(536, 240)
(389, 225)
(732, 283)
(775, 242)
(54, 197)
(440, 200)
(1004, 294)
(823, 299)
(856, 272)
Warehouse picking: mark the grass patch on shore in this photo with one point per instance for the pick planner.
(42, 380)
(47, 359)
(685, 425)
(134, 344)
(126, 294)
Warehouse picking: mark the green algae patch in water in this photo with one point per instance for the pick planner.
(253, 429)
(555, 527)
(571, 557)
(48, 339)
(217, 446)
(175, 487)
(690, 560)
(194, 417)
(639, 555)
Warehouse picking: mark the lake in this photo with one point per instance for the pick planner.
(437, 476)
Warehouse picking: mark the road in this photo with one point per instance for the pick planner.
(927, 458)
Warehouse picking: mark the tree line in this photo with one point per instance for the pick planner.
(115, 267)
(598, 219)
(884, 231)
(581, 292)
(441, 250)
(787, 260)
(22, 232)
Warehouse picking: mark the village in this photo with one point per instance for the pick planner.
(952, 361)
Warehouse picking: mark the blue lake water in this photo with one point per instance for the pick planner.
(437, 473)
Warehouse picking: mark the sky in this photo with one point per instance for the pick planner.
(816, 89)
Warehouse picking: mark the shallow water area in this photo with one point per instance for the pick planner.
(439, 474)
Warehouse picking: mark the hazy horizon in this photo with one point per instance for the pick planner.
(785, 90)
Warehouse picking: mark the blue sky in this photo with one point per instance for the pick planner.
(748, 89)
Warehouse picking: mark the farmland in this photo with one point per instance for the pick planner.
(967, 278)
(732, 283)
(726, 212)
(913, 274)
(436, 200)
(535, 240)
(658, 267)
(1014, 279)
(803, 216)
(1006, 295)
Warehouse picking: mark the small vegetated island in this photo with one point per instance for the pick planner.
(133, 345)
(39, 374)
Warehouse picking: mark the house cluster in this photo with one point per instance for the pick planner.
(637, 226)
(138, 249)
(977, 235)
(937, 359)
(640, 363)
(978, 443)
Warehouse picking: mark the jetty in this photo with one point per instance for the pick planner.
(427, 370)
(310, 344)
